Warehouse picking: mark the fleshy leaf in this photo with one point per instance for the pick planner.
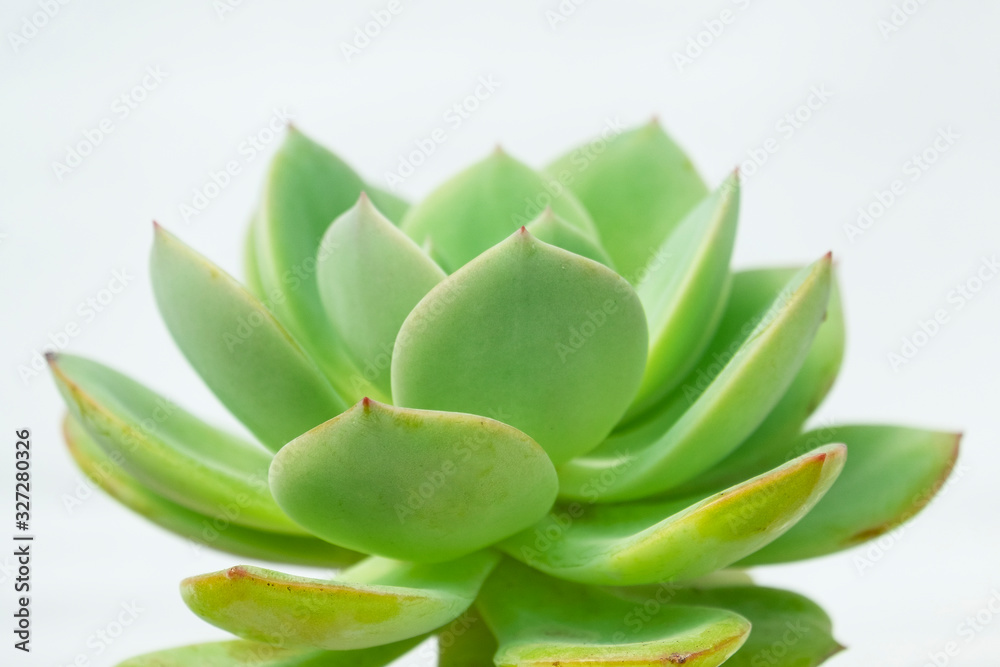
(891, 474)
(242, 653)
(371, 275)
(466, 642)
(307, 188)
(251, 270)
(237, 346)
(224, 534)
(768, 445)
(376, 602)
(481, 206)
(788, 630)
(544, 340)
(551, 229)
(685, 291)
(167, 449)
(417, 485)
(710, 414)
(675, 540)
(543, 622)
(637, 186)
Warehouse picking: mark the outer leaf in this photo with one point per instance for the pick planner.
(768, 445)
(240, 350)
(254, 654)
(467, 642)
(698, 427)
(481, 206)
(789, 630)
(370, 278)
(410, 484)
(545, 622)
(551, 229)
(537, 337)
(376, 602)
(684, 293)
(307, 188)
(893, 472)
(222, 534)
(168, 450)
(637, 186)
(656, 541)
(251, 270)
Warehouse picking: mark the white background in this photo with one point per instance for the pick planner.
(891, 95)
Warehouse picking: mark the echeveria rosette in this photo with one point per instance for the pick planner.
(536, 415)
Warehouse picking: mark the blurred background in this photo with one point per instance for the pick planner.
(884, 115)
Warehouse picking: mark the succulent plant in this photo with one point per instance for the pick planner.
(536, 414)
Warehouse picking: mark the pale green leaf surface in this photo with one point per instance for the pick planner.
(788, 630)
(224, 534)
(370, 278)
(544, 340)
(392, 206)
(375, 602)
(543, 622)
(637, 186)
(675, 540)
(307, 188)
(237, 346)
(418, 485)
(242, 653)
(684, 292)
(167, 449)
(891, 474)
(481, 206)
(715, 409)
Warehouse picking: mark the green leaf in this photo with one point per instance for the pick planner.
(551, 229)
(768, 445)
(789, 630)
(541, 621)
(392, 207)
(481, 206)
(167, 449)
(683, 293)
(250, 269)
(675, 540)
(370, 278)
(218, 533)
(719, 405)
(891, 474)
(415, 485)
(466, 642)
(240, 350)
(375, 602)
(637, 186)
(307, 188)
(544, 340)
(255, 654)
